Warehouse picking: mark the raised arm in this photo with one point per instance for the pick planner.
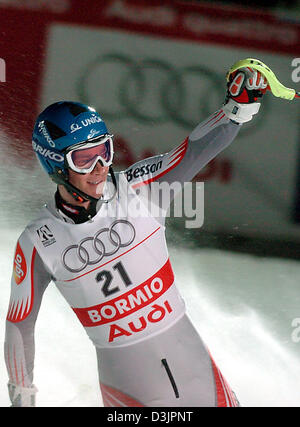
(182, 163)
(208, 139)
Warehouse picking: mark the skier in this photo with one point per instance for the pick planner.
(111, 265)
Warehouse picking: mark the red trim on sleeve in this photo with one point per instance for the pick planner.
(180, 151)
(20, 308)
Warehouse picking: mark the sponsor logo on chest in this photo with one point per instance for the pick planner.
(104, 243)
(46, 236)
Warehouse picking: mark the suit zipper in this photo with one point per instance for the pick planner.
(171, 378)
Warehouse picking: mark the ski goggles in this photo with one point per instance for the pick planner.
(84, 156)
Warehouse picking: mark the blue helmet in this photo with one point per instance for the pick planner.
(57, 128)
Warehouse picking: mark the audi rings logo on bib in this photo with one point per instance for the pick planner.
(91, 250)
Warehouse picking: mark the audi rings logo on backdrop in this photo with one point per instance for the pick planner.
(93, 253)
(151, 90)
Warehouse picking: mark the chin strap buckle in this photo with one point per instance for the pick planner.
(78, 198)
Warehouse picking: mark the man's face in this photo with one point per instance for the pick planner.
(90, 183)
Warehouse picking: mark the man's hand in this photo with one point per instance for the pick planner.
(244, 88)
(22, 396)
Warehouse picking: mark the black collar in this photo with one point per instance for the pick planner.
(77, 213)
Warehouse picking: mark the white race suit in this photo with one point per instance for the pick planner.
(115, 273)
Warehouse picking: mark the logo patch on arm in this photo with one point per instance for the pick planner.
(21, 299)
(20, 267)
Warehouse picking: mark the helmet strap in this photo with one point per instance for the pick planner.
(80, 196)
